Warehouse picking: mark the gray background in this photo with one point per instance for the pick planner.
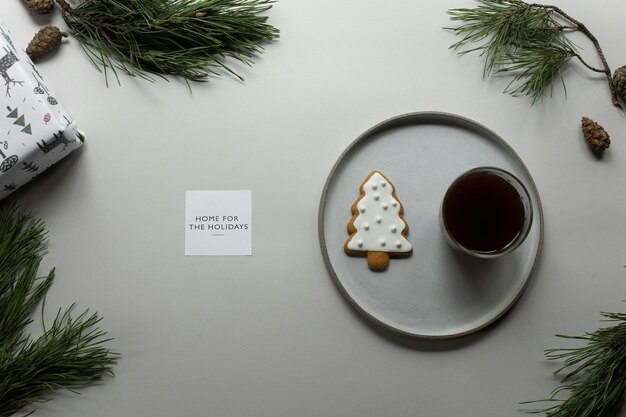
(270, 335)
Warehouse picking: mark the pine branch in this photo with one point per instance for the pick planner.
(526, 41)
(70, 354)
(594, 374)
(579, 26)
(192, 39)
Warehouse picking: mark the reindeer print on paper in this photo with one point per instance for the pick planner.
(6, 62)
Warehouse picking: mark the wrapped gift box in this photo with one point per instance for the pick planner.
(35, 130)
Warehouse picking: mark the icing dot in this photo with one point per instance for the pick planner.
(382, 242)
(383, 184)
(376, 197)
(374, 187)
(385, 206)
(379, 219)
(360, 243)
(398, 244)
(393, 229)
(362, 209)
(366, 226)
(394, 204)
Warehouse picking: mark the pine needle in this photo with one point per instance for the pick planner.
(516, 39)
(192, 39)
(70, 354)
(594, 375)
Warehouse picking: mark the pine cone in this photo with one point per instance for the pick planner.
(595, 135)
(46, 40)
(619, 80)
(40, 6)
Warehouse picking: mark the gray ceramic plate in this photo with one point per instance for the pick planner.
(436, 292)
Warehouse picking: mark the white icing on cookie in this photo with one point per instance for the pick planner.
(378, 220)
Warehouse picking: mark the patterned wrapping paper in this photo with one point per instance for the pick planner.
(35, 130)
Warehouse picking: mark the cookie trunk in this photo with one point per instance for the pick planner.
(377, 260)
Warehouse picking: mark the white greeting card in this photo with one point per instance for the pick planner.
(218, 223)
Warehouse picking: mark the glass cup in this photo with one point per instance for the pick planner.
(486, 212)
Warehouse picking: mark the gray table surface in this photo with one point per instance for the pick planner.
(269, 335)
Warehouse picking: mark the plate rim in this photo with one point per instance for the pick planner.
(411, 117)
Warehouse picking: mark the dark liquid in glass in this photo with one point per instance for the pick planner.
(483, 212)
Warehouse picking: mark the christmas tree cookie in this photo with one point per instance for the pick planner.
(377, 227)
